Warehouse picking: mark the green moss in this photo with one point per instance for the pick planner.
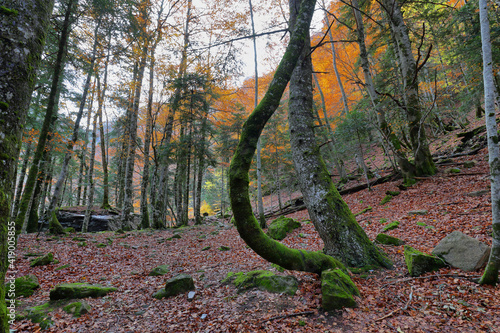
(7, 11)
(264, 280)
(101, 245)
(206, 248)
(224, 248)
(55, 227)
(69, 230)
(388, 240)
(82, 244)
(25, 286)
(159, 270)
(419, 263)
(62, 267)
(79, 290)
(3, 105)
(391, 226)
(41, 261)
(77, 308)
(393, 193)
(386, 199)
(367, 209)
(337, 290)
(178, 284)
(279, 228)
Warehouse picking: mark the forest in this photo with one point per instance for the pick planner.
(247, 166)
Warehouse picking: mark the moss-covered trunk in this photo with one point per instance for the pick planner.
(23, 29)
(246, 222)
(336, 225)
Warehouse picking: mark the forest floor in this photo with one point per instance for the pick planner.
(448, 300)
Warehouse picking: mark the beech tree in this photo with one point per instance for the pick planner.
(22, 28)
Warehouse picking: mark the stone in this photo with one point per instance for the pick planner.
(42, 261)
(452, 170)
(393, 193)
(77, 308)
(179, 284)
(462, 251)
(191, 295)
(470, 164)
(160, 270)
(279, 228)
(391, 226)
(24, 286)
(224, 248)
(419, 263)
(418, 212)
(337, 290)
(79, 290)
(479, 193)
(263, 280)
(388, 240)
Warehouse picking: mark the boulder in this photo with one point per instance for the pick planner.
(160, 270)
(263, 280)
(279, 228)
(388, 240)
(77, 308)
(79, 290)
(419, 263)
(42, 261)
(23, 286)
(337, 290)
(178, 284)
(462, 251)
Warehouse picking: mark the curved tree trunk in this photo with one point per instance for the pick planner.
(246, 223)
(336, 225)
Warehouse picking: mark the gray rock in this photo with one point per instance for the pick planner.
(479, 193)
(419, 263)
(462, 251)
(160, 270)
(179, 284)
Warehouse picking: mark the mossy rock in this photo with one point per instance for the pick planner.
(263, 280)
(470, 164)
(160, 270)
(40, 314)
(337, 290)
(224, 248)
(279, 228)
(386, 199)
(79, 290)
(391, 226)
(452, 170)
(62, 267)
(388, 240)
(367, 209)
(206, 248)
(79, 239)
(176, 236)
(82, 244)
(161, 293)
(42, 261)
(419, 263)
(77, 308)
(24, 286)
(179, 284)
(69, 230)
(101, 245)
(392, 193)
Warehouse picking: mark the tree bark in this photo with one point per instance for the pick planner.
(490, 275)
(246, 222)
(336, 225)
(90, 177)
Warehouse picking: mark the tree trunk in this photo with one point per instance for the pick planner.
(246, 222)
(50, 117)
(424, 164)
(22, 177)
(336, 225)
(90, 177)
(69, 148)
(490, 275)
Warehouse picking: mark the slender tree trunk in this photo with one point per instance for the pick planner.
(490, 275)
(90, 177)
(336, 225)
(69, 148)
(104, 152)
(23, 28)
(22, 177)
(201, 169)
(50, 117)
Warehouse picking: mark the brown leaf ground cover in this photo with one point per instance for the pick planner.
(448, 300)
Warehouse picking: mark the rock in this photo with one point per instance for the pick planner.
(279, 228)
(40, 314)
(204, 316)
(263, 280)
(79, 290)
(337, 290)
(179, 284)
(161, 293)
(419, 263)
(391, 226)
(388, 240)
(470, 164)
(77, 308)
(160, 270)
(452, 170)
(462, 251)
(101, 245)
(191, 295)
(42, 261)
(393, 193)
(23, 286)
(224, 248)
(479, 193)
(418, 212)
(206, 248)
(69, 230)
